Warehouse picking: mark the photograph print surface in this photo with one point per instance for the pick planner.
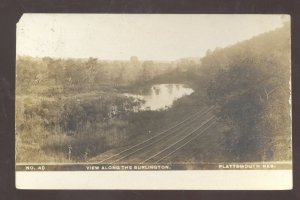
(153, 92)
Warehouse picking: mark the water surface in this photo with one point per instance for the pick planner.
(161, 96)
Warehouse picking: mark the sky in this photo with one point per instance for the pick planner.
(148, 36)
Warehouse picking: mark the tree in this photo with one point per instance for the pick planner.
(147, 70)
(249, 85)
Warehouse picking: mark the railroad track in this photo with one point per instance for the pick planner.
(167, 142)
(157, 136)
(168, 151)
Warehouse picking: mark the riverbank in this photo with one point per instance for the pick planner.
(91, 123)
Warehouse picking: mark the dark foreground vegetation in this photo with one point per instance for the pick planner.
(78, 103)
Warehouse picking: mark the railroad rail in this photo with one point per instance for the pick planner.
(165, 143)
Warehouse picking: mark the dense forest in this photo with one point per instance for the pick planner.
(77, 102)
(250, 85)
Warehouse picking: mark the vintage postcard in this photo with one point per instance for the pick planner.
(153, 101)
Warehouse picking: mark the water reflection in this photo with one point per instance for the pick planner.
(162, 96)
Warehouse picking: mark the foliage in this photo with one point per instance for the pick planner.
(249, 83)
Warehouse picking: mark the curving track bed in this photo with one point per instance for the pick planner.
(166, 143)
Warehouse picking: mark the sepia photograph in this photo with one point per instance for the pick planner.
(153, 92)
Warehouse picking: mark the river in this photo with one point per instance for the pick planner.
(161, 96)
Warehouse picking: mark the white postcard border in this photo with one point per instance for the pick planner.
(163, 180)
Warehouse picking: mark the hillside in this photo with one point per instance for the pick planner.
(249, 84)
